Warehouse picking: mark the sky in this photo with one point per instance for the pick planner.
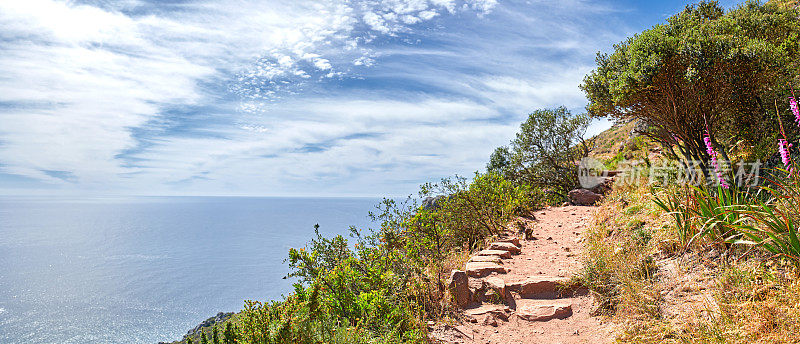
(285, 97)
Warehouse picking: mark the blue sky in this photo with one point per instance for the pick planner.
(284, 97)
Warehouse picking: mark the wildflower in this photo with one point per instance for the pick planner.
(711, 152)
(783, 149)
(795, 110)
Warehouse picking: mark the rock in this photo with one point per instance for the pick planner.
(584, 197)
(480, 269)
(498, 253)
(513, 240)
(432, 202)
(210, 322)
(497, 284)
(537, 285)
(458, 284)
(544, 312)
(490, 320)
(497, 310)
(604, 187)
(476, 290)
(487, 259)
(475, 284)
(566, 204)
(505, 246)
(492, 296)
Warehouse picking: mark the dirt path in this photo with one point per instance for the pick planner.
(517, 298)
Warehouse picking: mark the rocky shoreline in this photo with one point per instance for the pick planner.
(205, 326)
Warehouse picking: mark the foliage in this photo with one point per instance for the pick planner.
(700, 213)
(545, 151)
(472, 211)
(703, 70)
(383, 287)
(775, 224)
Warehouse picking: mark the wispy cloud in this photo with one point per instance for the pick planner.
(278, 97)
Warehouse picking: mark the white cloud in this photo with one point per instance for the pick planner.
(92, 92)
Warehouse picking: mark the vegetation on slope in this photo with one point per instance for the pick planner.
(716, 261)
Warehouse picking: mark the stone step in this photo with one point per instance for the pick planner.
(487, 309)
(480, 269)
(513, 240)
(505, 246)
(497, 284)
(487, 259)
(547, 287)
(543, 310)
(499, 253)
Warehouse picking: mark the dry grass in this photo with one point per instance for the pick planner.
(659, 293)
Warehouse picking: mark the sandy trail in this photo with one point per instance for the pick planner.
(532, 309)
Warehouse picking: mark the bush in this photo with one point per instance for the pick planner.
(383, 287)
(545, 152)
(704, 70)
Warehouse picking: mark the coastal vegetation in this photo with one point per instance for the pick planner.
(712, 259)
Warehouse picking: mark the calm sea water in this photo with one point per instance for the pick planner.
(143, 270)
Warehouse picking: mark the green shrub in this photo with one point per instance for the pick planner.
(703, 70)
(545, 152)
(383, 287)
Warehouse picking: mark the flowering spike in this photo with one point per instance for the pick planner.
(795, 110)
(786, 158)
(710, 150)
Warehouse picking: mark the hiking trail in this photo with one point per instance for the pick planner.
(512, 292)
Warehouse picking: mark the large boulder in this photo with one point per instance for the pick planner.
(458, 284)
(605, 186)
(584, 197)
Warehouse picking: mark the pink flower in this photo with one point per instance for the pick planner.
(783, 149)
(795, 110)
(710, 150)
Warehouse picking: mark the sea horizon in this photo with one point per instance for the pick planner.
(149, 268)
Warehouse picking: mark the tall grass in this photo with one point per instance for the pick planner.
(774, 224)
(706, 215)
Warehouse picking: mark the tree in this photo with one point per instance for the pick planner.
(546, 151)
(703, 71)
(203, 338)
(229, 333)
(215, 335)
(500, 162)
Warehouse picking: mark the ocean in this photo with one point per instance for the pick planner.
(148, 269)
